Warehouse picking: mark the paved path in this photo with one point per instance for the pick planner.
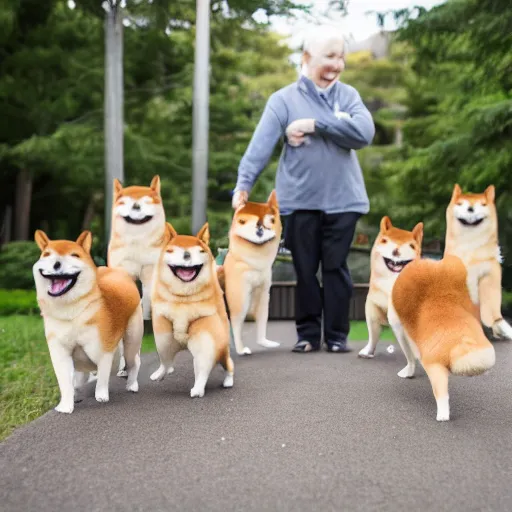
(298, 432)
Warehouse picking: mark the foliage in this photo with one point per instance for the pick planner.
(16, 262)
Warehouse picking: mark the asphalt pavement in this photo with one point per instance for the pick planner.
(298, 432)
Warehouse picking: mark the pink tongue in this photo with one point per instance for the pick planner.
(58, 285)
(186, 274)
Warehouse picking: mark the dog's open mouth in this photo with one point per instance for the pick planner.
(395, 266)
(60, 283)
(142, 220)
(186, 274)
(474, 222)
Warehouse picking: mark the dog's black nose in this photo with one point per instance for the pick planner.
(259, 232)
(136, 206)
(396, 253)
(186, 255)
(56, 265)
(471, 209)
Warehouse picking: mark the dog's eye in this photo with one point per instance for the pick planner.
(75, 255)
(202, 251)
(383, 241)
(169, 251)
(46, 254)
(272, 220)
(241, 221)
(459, 203)
(484, 204)
(412, 246)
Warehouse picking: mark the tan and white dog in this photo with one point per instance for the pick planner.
(138, 226)
(435, 321)
(87, 310)
(189, 310)
(254, 239)
(472, 235)
(393, 249)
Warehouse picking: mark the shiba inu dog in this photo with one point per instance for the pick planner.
(472, 235)
(189, 310)
(138, 226)
(254, 239)
(87, 310)
(433, 318)
(392, 250)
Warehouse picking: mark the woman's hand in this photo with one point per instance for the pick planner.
(240, 197)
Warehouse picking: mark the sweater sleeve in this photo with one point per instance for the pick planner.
(269, 130)
(354, 133)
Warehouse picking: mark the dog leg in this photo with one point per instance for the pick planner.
(202, 348)
(490, 303)
(104, 369)
(166, 347)
(438, 376)
(62, 362)
(374, 330)
(122, 362)
(146, 277)
(229, 367)
(132, 342)
(80, 379)
(261, 299)
(238, 296)
(398, 330)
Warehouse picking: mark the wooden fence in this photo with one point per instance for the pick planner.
(282, 301)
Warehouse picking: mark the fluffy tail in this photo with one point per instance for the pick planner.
(470, 358)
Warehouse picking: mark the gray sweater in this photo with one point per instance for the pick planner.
(323, 173)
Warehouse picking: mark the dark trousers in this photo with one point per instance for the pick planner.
(314, 237)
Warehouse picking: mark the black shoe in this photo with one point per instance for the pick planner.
(338, 346)
(305, 346)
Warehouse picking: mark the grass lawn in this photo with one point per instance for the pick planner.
(28, 387)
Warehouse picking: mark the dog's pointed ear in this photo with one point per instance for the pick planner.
(418, 232)
(41, 239)
(85, 240)
(170, 232)
(457, 191)
(204, 234)
(490, 193)
(385, 224)
(117, 187)
(155, 184)
(272, 200)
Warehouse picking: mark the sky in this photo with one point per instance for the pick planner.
(357, 25)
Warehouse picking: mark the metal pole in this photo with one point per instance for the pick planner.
(200, 119)
(114, 119)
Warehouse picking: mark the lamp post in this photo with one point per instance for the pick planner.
(200, 116)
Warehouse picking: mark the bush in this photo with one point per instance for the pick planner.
(16, 262)
(18, 302)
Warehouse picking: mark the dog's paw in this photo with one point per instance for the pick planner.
(365, 353)
(134, 387)
(269, 344)
(159, 374)
(407, 372)
(245, 352)
(170, 370)
(228, 381)
(502, 329)
(101, 395)
(196, 392)
(443, 416)
(122, 373)
(65, 408)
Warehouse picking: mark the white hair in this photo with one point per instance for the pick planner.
(319, 35)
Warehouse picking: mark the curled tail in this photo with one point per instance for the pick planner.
(471, 358)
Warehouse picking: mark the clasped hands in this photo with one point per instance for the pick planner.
(297, 130)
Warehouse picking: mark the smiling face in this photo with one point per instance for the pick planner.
(324, 56)
(135, 206)
(187, 261)
(472, 210)
(394, 248)
(65, 270)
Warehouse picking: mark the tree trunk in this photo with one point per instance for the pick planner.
(5, 229)
(22, 205)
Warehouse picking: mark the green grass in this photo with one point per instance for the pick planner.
(28, 387)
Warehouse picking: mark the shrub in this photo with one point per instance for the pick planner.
(18, 302)
(16, 262)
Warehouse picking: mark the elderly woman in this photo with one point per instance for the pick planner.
(319, 183)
